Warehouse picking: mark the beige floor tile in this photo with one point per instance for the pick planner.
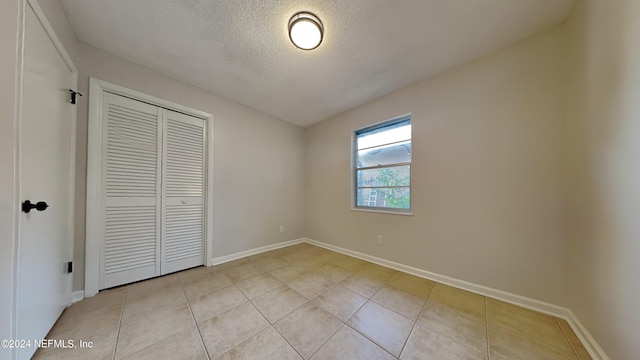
(154, 319)
(99, 346)
(575, 343)
(460, 326)
(270, 263)
(400, 301)
(86, 324)
(362, 284)
(307, 328)
(104, 300)
(185, 345)
(151, 286)
(223, 332)
(457, 299)
(242, 272)
(325, 256)
(312, 264)
(340, 301)
(386, 328)
(206, 284)
(266, 345)
(349, 344)
(426, 344)
(376, 271)
(309, 285)
(279, 302)
(231, 264)
(148, 330)
(164, 297)
(216, 303)
(288, 273)
(411, 283)
(333, 273)
(191, 275)
(531, 324)
(347, 262)
(508, 344)
(258, 285)
(298, 256)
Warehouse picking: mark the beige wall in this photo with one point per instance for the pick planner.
(8, 205)
(499, 145)
(487, 174)
(603, 124)
(258, 160)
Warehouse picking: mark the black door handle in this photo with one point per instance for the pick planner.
(40, 206)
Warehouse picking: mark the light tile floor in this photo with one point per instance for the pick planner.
(305, 302)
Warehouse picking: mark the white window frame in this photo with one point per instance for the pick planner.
(354, 170)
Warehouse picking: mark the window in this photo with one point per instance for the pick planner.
(382, 166)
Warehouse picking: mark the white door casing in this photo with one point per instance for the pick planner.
(188, 136)
(46, 173)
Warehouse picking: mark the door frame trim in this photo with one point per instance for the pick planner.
(53, 37)
(94, 180)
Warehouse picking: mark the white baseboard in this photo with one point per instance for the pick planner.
(77, 296)
(587, 340)
(585, 337)
(239, 255)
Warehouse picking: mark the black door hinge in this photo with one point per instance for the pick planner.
(73, 95)
(70, 267)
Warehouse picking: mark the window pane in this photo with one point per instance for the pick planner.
(390, 198)
(389, 176)
(384, 135)
(382, 162)
(384, 155)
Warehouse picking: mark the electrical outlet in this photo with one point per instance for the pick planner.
(281, 228)
(380, 240)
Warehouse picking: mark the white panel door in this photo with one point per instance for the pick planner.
(183, 192)
(131, 171)
(46, 165)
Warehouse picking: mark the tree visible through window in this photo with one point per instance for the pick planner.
(382, 159)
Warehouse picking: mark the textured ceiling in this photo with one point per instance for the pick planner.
(240, 49)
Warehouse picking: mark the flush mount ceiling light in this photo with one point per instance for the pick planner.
(305, 30)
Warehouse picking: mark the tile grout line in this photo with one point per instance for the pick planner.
(308, 301)
(394, 311)
(447, 335)
(370, 339)
(329, 338)
(486, 327)
(252, 336)
(426, 300)
(287, 341)
(274, 328)
(575, 352)
(300, 262)
(206, 351)
(124, 303)
(269, 324)
(369, 299)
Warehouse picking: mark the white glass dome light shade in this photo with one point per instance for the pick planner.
(305, 31)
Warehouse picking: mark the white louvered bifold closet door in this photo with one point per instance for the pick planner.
(131, 170)
(183, 192)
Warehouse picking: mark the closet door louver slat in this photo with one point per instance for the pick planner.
(131, 175)
(183, 190)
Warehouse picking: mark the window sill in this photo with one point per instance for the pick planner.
(390, 212)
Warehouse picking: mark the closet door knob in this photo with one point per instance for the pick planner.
(40, 206)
